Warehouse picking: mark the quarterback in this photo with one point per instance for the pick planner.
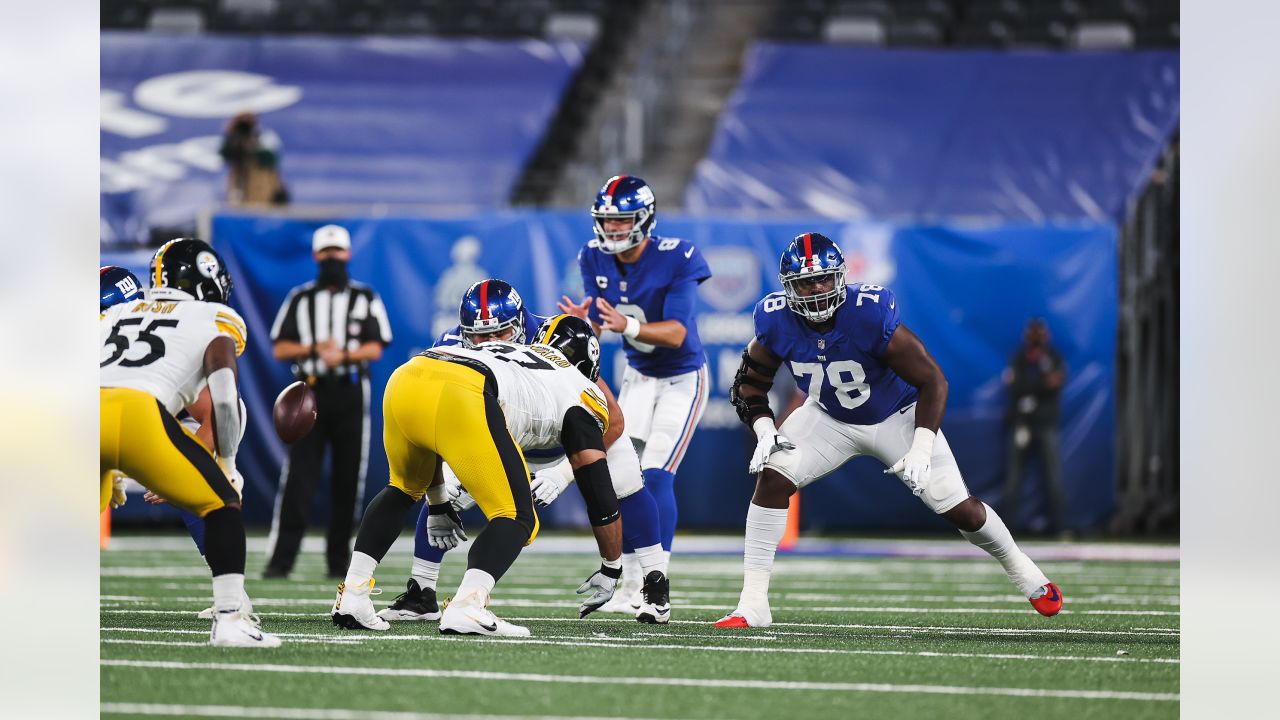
(157, 355)
(476, 409)
(873, 390)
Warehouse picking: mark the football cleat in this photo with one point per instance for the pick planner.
(469, 616)
(246, 606)
(353, 610)
(747, 616)
(656, 594)
(415, 603)
(627, 598)
(1047, 600)
(233, 628)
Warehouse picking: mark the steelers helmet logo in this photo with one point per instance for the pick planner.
(207, 264)
(593, 350)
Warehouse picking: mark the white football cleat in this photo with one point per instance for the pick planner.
(246, 606)
(656, 595)
(353, 610)
(469, 616)
(627, 598)
(233, 628)
(747, 615)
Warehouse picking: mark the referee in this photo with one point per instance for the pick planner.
(330, 329)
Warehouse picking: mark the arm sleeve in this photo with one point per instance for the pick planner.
(286, 325)
(581, 431)
(680, 302)
(376, 327)
(695, 266)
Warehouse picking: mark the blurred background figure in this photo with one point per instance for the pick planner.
(1034, 381)
(253, 163)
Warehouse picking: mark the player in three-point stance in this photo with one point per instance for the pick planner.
(157, 356)
(475, 409)
(645, 288)
(873, 390)
(492, 311)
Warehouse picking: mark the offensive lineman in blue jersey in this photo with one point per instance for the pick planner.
(492, 310)
(645, 288)
(873, 390)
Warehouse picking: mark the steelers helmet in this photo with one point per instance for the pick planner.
(573, 337)
(193, 267)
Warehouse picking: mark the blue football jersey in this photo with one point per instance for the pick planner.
(453, 336)
(667, 267)
(842, 368)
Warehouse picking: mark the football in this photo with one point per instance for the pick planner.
(294, 413)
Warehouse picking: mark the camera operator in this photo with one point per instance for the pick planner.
(253, 163)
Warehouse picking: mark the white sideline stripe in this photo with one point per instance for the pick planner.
(359, 637)
(601, 643)
(656, 681)
(289, 713)
(518, 602)
(946, 629)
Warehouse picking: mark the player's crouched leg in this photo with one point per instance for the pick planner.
(234, 625)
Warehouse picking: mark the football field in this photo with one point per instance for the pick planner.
(876, 629)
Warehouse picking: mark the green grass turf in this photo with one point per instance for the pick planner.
(868, 628)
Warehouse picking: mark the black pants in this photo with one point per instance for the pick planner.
(340, 422)
(1042, 436)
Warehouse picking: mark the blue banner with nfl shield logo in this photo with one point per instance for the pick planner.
(967, 292)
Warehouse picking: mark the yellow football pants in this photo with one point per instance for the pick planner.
(436, 409)
(139, 438)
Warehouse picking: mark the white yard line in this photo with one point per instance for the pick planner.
(607, 643)
(653, 681)
(289, 713)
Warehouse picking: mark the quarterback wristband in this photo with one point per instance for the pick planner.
(924, 441)
(632, 330)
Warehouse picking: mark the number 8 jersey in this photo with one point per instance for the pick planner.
(843, 368)
(157, 346)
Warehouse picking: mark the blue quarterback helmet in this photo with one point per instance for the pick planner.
(116, 285)
(488, 307)
(810, 258)
(624, 197)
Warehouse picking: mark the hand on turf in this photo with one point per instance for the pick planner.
(444, 527)
(547, 485)
(768, 444)
(572, 308)
(601, 587)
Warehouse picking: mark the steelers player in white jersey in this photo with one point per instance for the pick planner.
(477, 409)
(157, 355)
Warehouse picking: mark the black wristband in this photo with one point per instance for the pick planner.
(609, 572)
(441, 509)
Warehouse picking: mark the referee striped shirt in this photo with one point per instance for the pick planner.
(351, 315)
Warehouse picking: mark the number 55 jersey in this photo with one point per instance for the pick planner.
(157, 346)
(844, 366)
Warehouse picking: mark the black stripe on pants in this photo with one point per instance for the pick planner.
(498, 546)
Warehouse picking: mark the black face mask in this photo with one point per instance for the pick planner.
(333, 272)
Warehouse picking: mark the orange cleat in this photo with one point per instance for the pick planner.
(1049, 602)
(732, 621)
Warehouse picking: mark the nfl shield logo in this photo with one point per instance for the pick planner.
(822, 344)
(622, 286)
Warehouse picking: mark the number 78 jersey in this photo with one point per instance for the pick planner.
(843, 368)
(157, 346)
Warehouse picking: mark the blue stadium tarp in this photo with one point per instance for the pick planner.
(966, 292)
(926, 136)
(429, 121)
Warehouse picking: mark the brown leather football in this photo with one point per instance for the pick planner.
(294, 413)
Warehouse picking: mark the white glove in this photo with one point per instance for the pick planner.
(237, 483)
(913, 468)
(547, 485)
(118, 496)
(601, 587)
(463, 501)
(768, 442)
(444, 527)
(452, 485)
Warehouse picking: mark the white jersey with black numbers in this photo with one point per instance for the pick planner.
(536, 387)
(157, 346)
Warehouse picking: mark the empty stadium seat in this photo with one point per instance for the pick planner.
(572, 26)
(986, 34)
(854, 30)
(176, 20)
(915, 32)
(1103, 35)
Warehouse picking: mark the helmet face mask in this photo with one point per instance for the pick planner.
(623, 198)
(193, 267)
(810, 262)
(574, 338)
(491, 307)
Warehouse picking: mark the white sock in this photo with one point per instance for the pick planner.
(360, 570)
(765, 528)
(425, 573)
(651, 558)
(476, 580)
(227, 592)
(631, 569)
(996, 539)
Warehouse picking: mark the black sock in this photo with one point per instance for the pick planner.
(224, 541)
(383, 520)
(498, 546)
